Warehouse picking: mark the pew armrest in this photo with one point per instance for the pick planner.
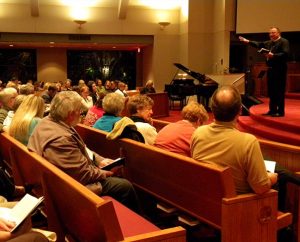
(176, 234)
(249, 196)
(251, 212)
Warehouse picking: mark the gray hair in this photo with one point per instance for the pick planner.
(63, 104)
(6, 94)
(26, 89)
(113, 103)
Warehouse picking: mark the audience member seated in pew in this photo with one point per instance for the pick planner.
(221, 143)
(11, 113)
(28, 115)
(112, 104)
(125, 128)
(23, 234)
(94, 112)
(140, 111)
(56, 140)
(176, 137)
(7, 99)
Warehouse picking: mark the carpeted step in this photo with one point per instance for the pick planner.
(247, 123)
(293, 95)
(277, 123)
(290, 122)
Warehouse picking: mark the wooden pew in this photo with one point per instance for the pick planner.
(76, 212)
(159, 124)
(4, 154)
(98, 142)
(72, 203)
(286, 155)
(138, 153)
(204, 191)
(289, 157)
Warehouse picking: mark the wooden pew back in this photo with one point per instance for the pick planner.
(72, 209)
(20, 178)
(98, 142)
(204, 191)
(30, 168)
(286, 155)
(68, 202)
(5, 152)
(159, 124)
(191, 186)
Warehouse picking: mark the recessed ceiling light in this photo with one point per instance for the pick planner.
(11, 45)
(114, 47)
(51, 42)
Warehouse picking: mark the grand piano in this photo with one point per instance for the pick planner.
(187, 83)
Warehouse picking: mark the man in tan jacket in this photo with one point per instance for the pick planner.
(55, 139)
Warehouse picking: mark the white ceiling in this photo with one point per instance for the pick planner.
(163, 4)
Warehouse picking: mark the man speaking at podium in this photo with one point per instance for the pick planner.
(276, 51)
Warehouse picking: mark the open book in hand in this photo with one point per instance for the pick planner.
(263, 51)
(117, 162)
(21, 210)
(270, 165)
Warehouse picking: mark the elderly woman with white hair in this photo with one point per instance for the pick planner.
(56, 139)
(113, 105)
(7, 98)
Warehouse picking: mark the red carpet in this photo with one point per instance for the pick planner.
(281, 129)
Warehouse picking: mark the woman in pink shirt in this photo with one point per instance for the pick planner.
(94, 112)
(176, 137)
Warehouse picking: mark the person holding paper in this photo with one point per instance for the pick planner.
(23, 234)
(276, 59)
(222, 144)
(56, 139)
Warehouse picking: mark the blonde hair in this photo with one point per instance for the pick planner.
(149, 83)
(31, 107)
(194, 112)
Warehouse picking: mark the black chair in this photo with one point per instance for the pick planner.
(175, 94)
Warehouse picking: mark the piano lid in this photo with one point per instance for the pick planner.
(198, 76)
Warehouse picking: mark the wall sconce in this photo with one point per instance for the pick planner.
(163, 24)
(80, 22)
